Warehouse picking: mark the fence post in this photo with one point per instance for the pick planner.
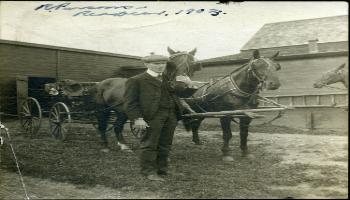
(333, 99)
(291, 101)
(310, 120)
(318, 100)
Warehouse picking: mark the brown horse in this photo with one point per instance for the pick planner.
(339, 74)
(108, 94)
(238, 90)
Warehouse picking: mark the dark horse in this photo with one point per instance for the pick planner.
(108, 94)
(339, 74)
(238, 90)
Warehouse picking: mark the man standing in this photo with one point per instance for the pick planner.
(152, 108)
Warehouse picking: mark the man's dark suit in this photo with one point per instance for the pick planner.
(148, 98)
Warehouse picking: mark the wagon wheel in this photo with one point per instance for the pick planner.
(30, 115)
(58, 119)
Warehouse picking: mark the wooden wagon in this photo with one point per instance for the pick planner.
(36, 102)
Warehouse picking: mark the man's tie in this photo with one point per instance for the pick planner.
(159, 77)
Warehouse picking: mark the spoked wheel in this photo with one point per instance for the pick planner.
(30, 115)
(59, 119)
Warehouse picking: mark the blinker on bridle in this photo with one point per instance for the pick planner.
(253, 72)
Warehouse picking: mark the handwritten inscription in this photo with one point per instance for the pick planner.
(122, 10)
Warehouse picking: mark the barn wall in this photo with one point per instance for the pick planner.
(89, 67)
(22, 60)
(33, 60)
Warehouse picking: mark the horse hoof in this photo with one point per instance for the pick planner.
(127, 150)
(246, 154)
(197, 142)
(227, 159)
(124, 147)
(105, 150)
(250, 157)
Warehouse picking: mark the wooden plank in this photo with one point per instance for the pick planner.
(318, 100)
(333, 99)
(291, 103)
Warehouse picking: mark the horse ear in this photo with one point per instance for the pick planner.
(340, 67)
(276, 54)
(256, 54)
(193, 51)
(171, 51)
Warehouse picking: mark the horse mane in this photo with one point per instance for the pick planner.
(170, 70)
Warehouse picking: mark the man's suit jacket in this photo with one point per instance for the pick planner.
(142, 97)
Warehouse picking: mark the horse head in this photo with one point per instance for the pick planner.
(330, 77)
(180, 68)
(265, 70)
(185, 62)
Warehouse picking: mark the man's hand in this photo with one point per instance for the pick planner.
(140, 125)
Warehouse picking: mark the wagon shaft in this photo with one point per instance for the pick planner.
(235, 113)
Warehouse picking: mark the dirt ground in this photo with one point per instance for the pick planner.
(283, 163)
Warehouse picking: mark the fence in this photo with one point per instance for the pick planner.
(313, 111)
(329, 100)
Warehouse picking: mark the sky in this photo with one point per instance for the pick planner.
(139, 33)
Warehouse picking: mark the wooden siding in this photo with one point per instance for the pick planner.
(32, 60)
(89, 67)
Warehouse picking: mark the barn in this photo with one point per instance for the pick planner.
(308, 48)
(26, 65)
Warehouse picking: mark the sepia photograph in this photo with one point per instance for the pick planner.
(174, 99)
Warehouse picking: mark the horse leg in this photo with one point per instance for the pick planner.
(118, 130)
(102, 118)
(243, 133)
(195, 136)
(227, 135)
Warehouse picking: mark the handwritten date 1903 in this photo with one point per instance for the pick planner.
(121, 10)
(213, 12)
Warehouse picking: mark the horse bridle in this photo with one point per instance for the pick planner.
(253, 72)
(184, 62)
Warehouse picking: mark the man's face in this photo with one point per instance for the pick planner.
(157, 67)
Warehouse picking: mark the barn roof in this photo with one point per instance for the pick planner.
(290, 33)
(331, 32)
